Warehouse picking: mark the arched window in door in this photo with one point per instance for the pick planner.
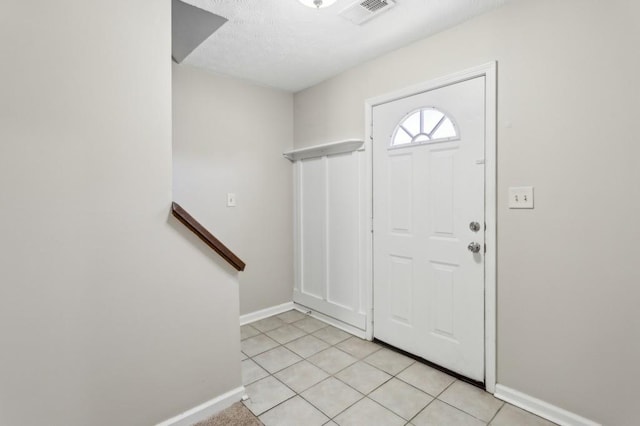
(424, 125)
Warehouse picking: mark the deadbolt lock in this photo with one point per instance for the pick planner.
(474, 247)
(474, 226)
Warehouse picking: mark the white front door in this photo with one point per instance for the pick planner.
(428, 208)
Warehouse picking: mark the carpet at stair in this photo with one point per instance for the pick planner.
(236, 415)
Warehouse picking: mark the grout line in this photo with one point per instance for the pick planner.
(496, 414)
(453, 374)
(415, 387)
(447, 387)
(277, 405)
(387, 408)
(460, 409)
(326, 414)
(423, 408)
(395, 376)
(280, 403)
(334, 375)
(347, 408)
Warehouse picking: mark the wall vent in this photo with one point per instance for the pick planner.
(362, 11)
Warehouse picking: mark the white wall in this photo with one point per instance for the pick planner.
(229, 136)
(111, 313)
(569, 102)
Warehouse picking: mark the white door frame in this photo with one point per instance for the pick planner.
(489, 71)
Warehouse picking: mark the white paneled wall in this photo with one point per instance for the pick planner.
(332, 234)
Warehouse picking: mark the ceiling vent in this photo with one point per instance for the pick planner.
(364, 10)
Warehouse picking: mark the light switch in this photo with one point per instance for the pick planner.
(231, 199)
(521, 197)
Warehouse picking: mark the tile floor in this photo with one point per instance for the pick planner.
(298, 371)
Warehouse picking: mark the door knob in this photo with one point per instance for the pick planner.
(474, 247)
(474, 226)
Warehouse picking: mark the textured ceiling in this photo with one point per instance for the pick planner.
(283, 44)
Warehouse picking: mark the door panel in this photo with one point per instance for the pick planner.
(329, 232)
(313, 227)
(342, 221)
(401, 276)
(442, 305)
(441, 200)
(400, 193)
(428, 287)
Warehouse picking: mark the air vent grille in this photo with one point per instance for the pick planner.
(374, 5)
(362, 11)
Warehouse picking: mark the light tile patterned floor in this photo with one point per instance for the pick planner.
(300, 371)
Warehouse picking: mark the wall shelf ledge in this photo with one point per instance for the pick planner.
(339, 147)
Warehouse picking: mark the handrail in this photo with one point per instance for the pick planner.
(206, 236)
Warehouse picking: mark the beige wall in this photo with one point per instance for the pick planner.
(568, 106)
(229, 136)
(111, 313)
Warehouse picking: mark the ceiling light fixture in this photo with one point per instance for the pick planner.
(317, 4)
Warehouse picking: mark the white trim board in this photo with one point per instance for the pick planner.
(330, 193)
(265, 313)
(340, 147)
(541, 408)
(331, 321)
(275, 310)
(205, 410)
(489, 71)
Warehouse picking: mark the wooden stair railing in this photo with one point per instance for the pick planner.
(206, 236)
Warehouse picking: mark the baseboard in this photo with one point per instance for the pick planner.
(331, 321)
(206, 410)
(541, 408)
(264, 313)
(275, 310)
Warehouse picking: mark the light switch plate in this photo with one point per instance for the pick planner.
(521, 197)
(231, 199)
